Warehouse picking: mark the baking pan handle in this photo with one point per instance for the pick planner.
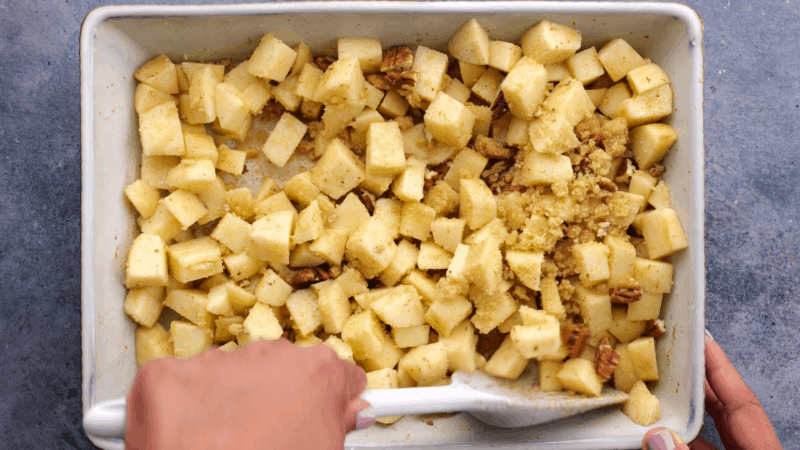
(106, 420)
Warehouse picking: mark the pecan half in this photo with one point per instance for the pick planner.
(304, 276)
(398, 57)
(654, 328)
(626, 294)
(492, 148)
(402, 81)
(605, 360)
(499, 106)
(323, 62)
(575, 338)
(379, 82)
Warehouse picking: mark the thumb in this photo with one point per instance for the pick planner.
(359, 414)
(661, 438)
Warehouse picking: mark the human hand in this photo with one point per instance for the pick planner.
(739, 417)
(269, 394)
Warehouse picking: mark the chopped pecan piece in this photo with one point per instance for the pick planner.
(575, 338)
(454, 69)
(398, 57)
(492, 148)
(626, 294)
(605, 360)
(607, 185)
(625, 171)
(402, 81)
(323, 62)
(654, 328)
(305, 276)
(367, 200)
(499, 106)
(322, 273)
(289, 335)
(379, 82)
(657, 170)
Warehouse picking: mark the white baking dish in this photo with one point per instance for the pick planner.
(115, 40)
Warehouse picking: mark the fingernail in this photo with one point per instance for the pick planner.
(664, 440)
(708, 336)
(366, 417)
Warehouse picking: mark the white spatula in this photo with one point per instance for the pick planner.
(496, 402)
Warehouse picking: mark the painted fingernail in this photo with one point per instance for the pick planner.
(366, 417)
(708, 336)
(663, 440)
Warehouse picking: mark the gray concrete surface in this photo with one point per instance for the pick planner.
(752, 106)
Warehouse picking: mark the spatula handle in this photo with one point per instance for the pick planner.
(427, 400)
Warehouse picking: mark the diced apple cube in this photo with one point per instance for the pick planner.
(548, 376)
(385, 155)
(144, 305)
(232, 231)
(543, 168)
(403, 262)
(361, 125)
(470, 44)
(648, 107)
(303, 309)
(202, 94)
(470, 73)
(342, 83)
(460, 346)
(146, 97)
(330, 245)
(517, 134)
(152, 343)
(467, 164)
(147, 262)
(285, 94)
(364, 333)
(444, 314)
(189, 339)
(591, 260)
(506, 362)
(578, 375)
(477, 204)
(160, 131)
(424, 285)
(597, 95)
(449, 121)
(456, 89)
(647, 308)
(415, 220)
(642, 183)
(534, 341)
(272, 289)
(162, 223)
(231, 106)
(651, 142)
(242, 266)
(661, 196)
(585, 66)
(426, 364)
(570, 100)
(548, 42)
(307, 81)
(492, 310)
(642, 407)
(159, 73)
(255, 90)
(283, 140)
(552, 134)
(192, 175)
(619, 58)
(371, 248)
(448, 233)
(261, 323)
(408, 186)
(275, 203)
(503, 55)
(433, 257)
(154, 170)
(551, 299)
(309, 225)
(190, 304)
(653, 276)
(338, 171)
(373, 96)
(342, 350)
(621, 259)
(241, 202)
(269, 238)
(430, 67)
(525, 87)
(400, 307)
(625, 374)
(643, 355)
(623, 329)
(645, 77)
(484, 266)
(185, 206)
(487, 87)
(613, 98)
(366, 51)
(527, 266)
(272, 59)
(557, 72)
(199, 145)
(393, 105)
(219, 305)
(304, 56)
(663, 234)
(143, 197)
(411, 336)
(595, 309)
(334, 307)
(349, 214)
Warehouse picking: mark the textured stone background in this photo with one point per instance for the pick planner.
(752, 103)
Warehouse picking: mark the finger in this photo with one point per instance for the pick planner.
(713, 405)
(701, 444)
(725, 381)
(661, 438)
(356, 379)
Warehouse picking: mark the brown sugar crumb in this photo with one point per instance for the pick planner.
(429, 422)
(405, 122)
(492, 148)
